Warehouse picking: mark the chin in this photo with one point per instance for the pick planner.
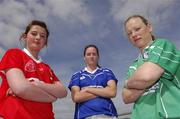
(37, 49)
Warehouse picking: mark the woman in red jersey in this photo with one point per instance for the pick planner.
(29, 86)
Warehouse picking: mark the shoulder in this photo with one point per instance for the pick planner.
(15, 50)
(106, 70)
(78, 73)
(163, 42)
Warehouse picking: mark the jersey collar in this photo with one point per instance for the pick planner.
(30, 55)
(91, 72)
(144, 55)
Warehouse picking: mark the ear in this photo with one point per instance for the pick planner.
(24, 36)
(150, 27)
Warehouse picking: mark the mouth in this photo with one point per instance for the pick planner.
(37, 43)
(136, 39)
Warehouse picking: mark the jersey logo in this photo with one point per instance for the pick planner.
(30, 66)
(152, 89)
(145, 55)
(82, 77)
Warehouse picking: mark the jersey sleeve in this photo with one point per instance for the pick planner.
(11, 59)
(165, 54)
(55, 78)
(3, 86)
(110, 75)
(75, 80)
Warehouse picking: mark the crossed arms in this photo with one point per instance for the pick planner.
(88, 93)
(33, 91)
(144, 77)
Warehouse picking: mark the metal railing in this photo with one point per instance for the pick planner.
(125, 115)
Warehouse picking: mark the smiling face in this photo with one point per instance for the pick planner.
(91, 56)
(36, 38)
(138, 32)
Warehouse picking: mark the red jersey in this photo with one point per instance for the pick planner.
(13, 107)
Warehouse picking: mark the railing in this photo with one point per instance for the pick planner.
(125, 115)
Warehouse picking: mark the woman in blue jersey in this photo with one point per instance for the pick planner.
(92, 89)
(154, 77)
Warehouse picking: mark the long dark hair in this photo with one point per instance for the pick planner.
(97, 50)
(144, 20)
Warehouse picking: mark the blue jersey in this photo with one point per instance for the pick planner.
(98, 105)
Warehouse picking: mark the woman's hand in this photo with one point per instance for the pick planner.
(35, 81)
(9, 92)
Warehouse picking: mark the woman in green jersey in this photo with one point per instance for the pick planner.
(153, 82)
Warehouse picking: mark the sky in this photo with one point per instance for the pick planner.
(73, 24)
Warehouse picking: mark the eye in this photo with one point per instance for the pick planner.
(94, 54)
(137, 29)
(43, 36)
(88, 54)
(34, 33)
(129, 33)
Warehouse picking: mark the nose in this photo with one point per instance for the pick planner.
(38, 36)
(134, 33)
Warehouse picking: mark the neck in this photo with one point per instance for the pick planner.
(33, 53)
(149, 43)
(91, 68)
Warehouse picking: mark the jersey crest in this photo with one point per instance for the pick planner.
(30, 66)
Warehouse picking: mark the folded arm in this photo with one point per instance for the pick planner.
(107, 92)
(80, 95)
(56, 89)
(24, 89)
(144, 77)
(131, 95)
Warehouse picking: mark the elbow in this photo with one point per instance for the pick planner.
(75, 99)
(65, 93)
(127, 101)
(113, 94)
(127, 98)
(62, 94)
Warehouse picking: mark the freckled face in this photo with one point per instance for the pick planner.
(138, 32)
(91, 57)
(36, 38)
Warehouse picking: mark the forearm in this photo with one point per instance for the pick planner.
(138, 84)
(131, 95)
(56, 89)
(21, 87)
(82, 97)
(34, 93)
(106, 92)
(145, 76)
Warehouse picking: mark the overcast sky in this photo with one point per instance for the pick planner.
(74, 24)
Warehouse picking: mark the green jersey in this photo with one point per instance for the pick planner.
(162, 100)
